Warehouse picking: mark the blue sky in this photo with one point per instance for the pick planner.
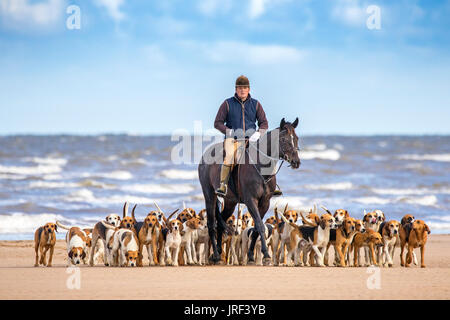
(150, 67)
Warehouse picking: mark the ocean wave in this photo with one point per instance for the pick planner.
(316, 147)
(426, 157)
(180, 174)
(330, 186)
(48, 161)
(37, 170)
(52, 185)
(422, 201)
(438, 225)
(52, 177)
(134, 162)
(159, 188)
(428, 201)
(27, 223)
(371, 200)
(329, 154)
(87, 196)
(440, 218)
(12, 176)
(420, 191)
(95, 184)
(294, 203)
(116, 175)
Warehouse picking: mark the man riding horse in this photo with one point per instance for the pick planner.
(253, 183)
(236, 119)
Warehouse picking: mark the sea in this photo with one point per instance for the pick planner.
(79, 180)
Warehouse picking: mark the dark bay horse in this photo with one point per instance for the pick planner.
(246, 184)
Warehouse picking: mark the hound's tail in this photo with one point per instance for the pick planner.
(108, 226)
(62, 226)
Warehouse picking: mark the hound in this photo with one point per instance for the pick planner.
(100, 232)
(417, 238)
(370, 239)
(390, 234)
(341, 239)
(285, 233)
(203, 239)
(371, 222)
(76, 244)
(188, 239)
(173, 242)
(45, 239)
(148, 236)
(318, 237)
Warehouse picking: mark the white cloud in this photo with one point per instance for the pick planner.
(212, 7)
(350, 12)
(21, 14)
(258, 7)
(113, 8)
(242, 52)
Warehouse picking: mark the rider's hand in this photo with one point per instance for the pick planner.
(255, 137)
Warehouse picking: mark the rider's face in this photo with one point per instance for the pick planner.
(242, 92)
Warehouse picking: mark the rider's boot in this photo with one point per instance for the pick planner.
(224, 175)
(277, 192)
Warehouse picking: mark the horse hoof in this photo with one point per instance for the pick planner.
(251, 263)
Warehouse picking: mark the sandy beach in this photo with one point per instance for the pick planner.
(19, 279)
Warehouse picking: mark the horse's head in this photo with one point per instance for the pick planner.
(288, 146)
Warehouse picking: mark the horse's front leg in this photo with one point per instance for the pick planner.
(212, 231)
(259, 226)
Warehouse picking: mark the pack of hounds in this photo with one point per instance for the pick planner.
(184, 239)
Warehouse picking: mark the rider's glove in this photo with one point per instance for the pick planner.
(255, 137)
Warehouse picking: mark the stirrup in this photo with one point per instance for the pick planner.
(220, 192)
(277, 192)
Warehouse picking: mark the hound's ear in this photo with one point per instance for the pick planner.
(317, 219)
(296, 216)
(282, 123)
(322, 223)
(403, 221)
(181, 227)
(346, 214)
(427, 228)
(56, 228)
(70, 254)
(83, 255)
(126, 254)
(295, 123)
(365, 216)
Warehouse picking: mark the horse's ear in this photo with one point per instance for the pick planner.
(295, 123)
(282, 123)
